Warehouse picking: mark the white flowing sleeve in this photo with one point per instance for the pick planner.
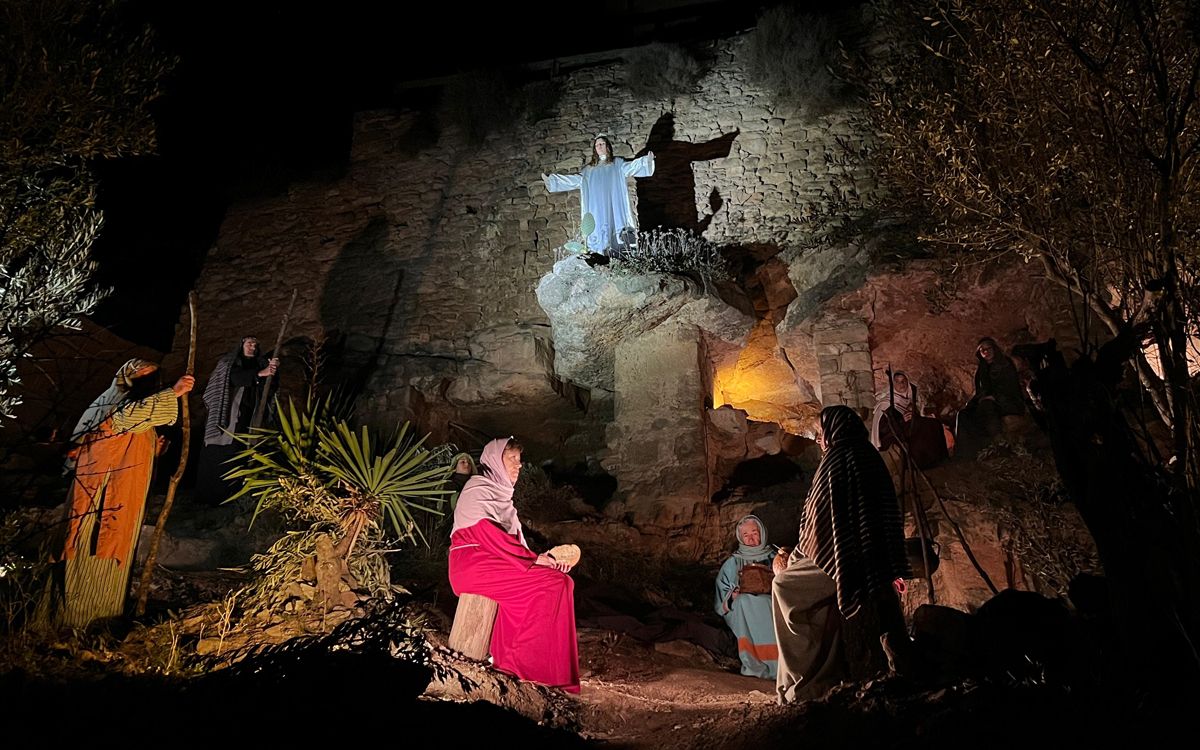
(561, 183)
(876, 415)
(643, 166)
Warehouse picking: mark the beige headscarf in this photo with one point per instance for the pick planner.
(488, 495)
(903, 400)
(109, 401)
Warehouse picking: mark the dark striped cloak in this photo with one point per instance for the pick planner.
(851, 525)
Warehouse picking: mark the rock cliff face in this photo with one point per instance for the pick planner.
(593, 311)
(651, 341)
(428, 266)
(419, 262)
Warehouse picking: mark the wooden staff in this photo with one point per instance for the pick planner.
(186, 427)
(261, 407)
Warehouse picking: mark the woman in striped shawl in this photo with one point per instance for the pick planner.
(848, 563)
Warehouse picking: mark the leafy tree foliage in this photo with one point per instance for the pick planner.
(1067, 132)
(76, 80)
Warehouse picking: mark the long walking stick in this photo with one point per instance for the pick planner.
(186, 428)
(261, 406)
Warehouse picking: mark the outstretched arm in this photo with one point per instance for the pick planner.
(561, 183)
(160, 408)
(643, 166)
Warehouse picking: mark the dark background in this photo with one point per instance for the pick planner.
(264, 94)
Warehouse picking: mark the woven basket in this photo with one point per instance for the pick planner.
(755, 579)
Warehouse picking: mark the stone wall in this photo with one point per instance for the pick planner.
(421, 262)
(844, 360)
(421, 259)
(657, 436)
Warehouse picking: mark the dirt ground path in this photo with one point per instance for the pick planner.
(636, 696)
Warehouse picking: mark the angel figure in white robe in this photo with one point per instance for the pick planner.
(605, 195)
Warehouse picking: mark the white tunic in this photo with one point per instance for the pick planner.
(605, 195)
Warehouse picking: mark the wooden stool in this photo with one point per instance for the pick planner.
(471, 633)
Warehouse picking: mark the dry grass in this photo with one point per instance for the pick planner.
(661, 72)
(790, 53)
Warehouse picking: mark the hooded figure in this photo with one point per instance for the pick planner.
(231, 394)
(230, 397)
(997, 395)
(850, 553)
(897, 419)
(534, 634)
(996, 379)
(899, 405)
(748, 614)
(463, 469)
(112, 463)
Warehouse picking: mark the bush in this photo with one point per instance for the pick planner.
(675, 251)
(76, 83)
(789, 55)
(660, 72)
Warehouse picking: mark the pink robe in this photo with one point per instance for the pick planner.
(534, 636)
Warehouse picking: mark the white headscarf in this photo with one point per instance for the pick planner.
(488, 495)
(903, 402)
(108, 402)
(745, 551)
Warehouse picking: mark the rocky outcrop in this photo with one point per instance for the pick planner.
(593, 311)
(734, 439)
(647, 339)
(926, 318)
(432, 262)
(421, 257)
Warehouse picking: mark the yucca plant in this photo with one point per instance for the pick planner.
(391, 484)
(277, 462)
(346, 487)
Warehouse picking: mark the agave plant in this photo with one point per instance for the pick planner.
(391, 485)
(346, 488)
(316, 468)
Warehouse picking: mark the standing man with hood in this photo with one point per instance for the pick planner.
(230, 397)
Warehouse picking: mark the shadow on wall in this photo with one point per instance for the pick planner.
(668, 198)
(355, 305)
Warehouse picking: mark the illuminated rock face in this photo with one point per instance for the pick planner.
(432, 265)
(646, 339)
(593, 310)
(422, 257)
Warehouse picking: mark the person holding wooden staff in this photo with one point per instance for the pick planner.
(114, 449)
(231, 396)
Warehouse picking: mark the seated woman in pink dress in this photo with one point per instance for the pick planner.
(534, 635)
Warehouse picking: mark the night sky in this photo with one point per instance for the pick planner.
(264, 94)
